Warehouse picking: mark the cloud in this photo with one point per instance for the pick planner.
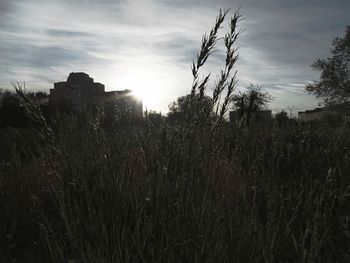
(116, 41)
(67, 33)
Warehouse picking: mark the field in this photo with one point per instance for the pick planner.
(99, 186)
(75, 190)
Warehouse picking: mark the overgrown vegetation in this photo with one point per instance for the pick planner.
(194, 190)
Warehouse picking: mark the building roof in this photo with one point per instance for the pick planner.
(327, 108)
(79, 76)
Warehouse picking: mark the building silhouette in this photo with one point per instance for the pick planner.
(80, 89)
(332, 111)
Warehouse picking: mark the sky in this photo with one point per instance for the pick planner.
(149, 45)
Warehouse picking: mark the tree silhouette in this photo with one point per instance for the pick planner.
(281, 118)
(334, 84)
(187, 105)
(248, 102)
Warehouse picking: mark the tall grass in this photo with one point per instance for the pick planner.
(196, 191)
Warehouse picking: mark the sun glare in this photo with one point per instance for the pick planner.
(146, 86)
(144, 95)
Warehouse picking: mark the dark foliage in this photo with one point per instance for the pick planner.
(185, 105)
(334, 83)
(248, 102)
(281, 118)
(75, 191)
(12, 112)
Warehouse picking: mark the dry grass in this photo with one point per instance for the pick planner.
(194, 191)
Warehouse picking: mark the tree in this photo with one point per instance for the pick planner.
(334, 84)
(183, 105)
(248, 102)
(281, 118)
(154, 117)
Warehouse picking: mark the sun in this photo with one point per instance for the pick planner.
(146, 82)
(146, 95)
(147, 88)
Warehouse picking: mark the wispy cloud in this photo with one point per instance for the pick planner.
(132, 42)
